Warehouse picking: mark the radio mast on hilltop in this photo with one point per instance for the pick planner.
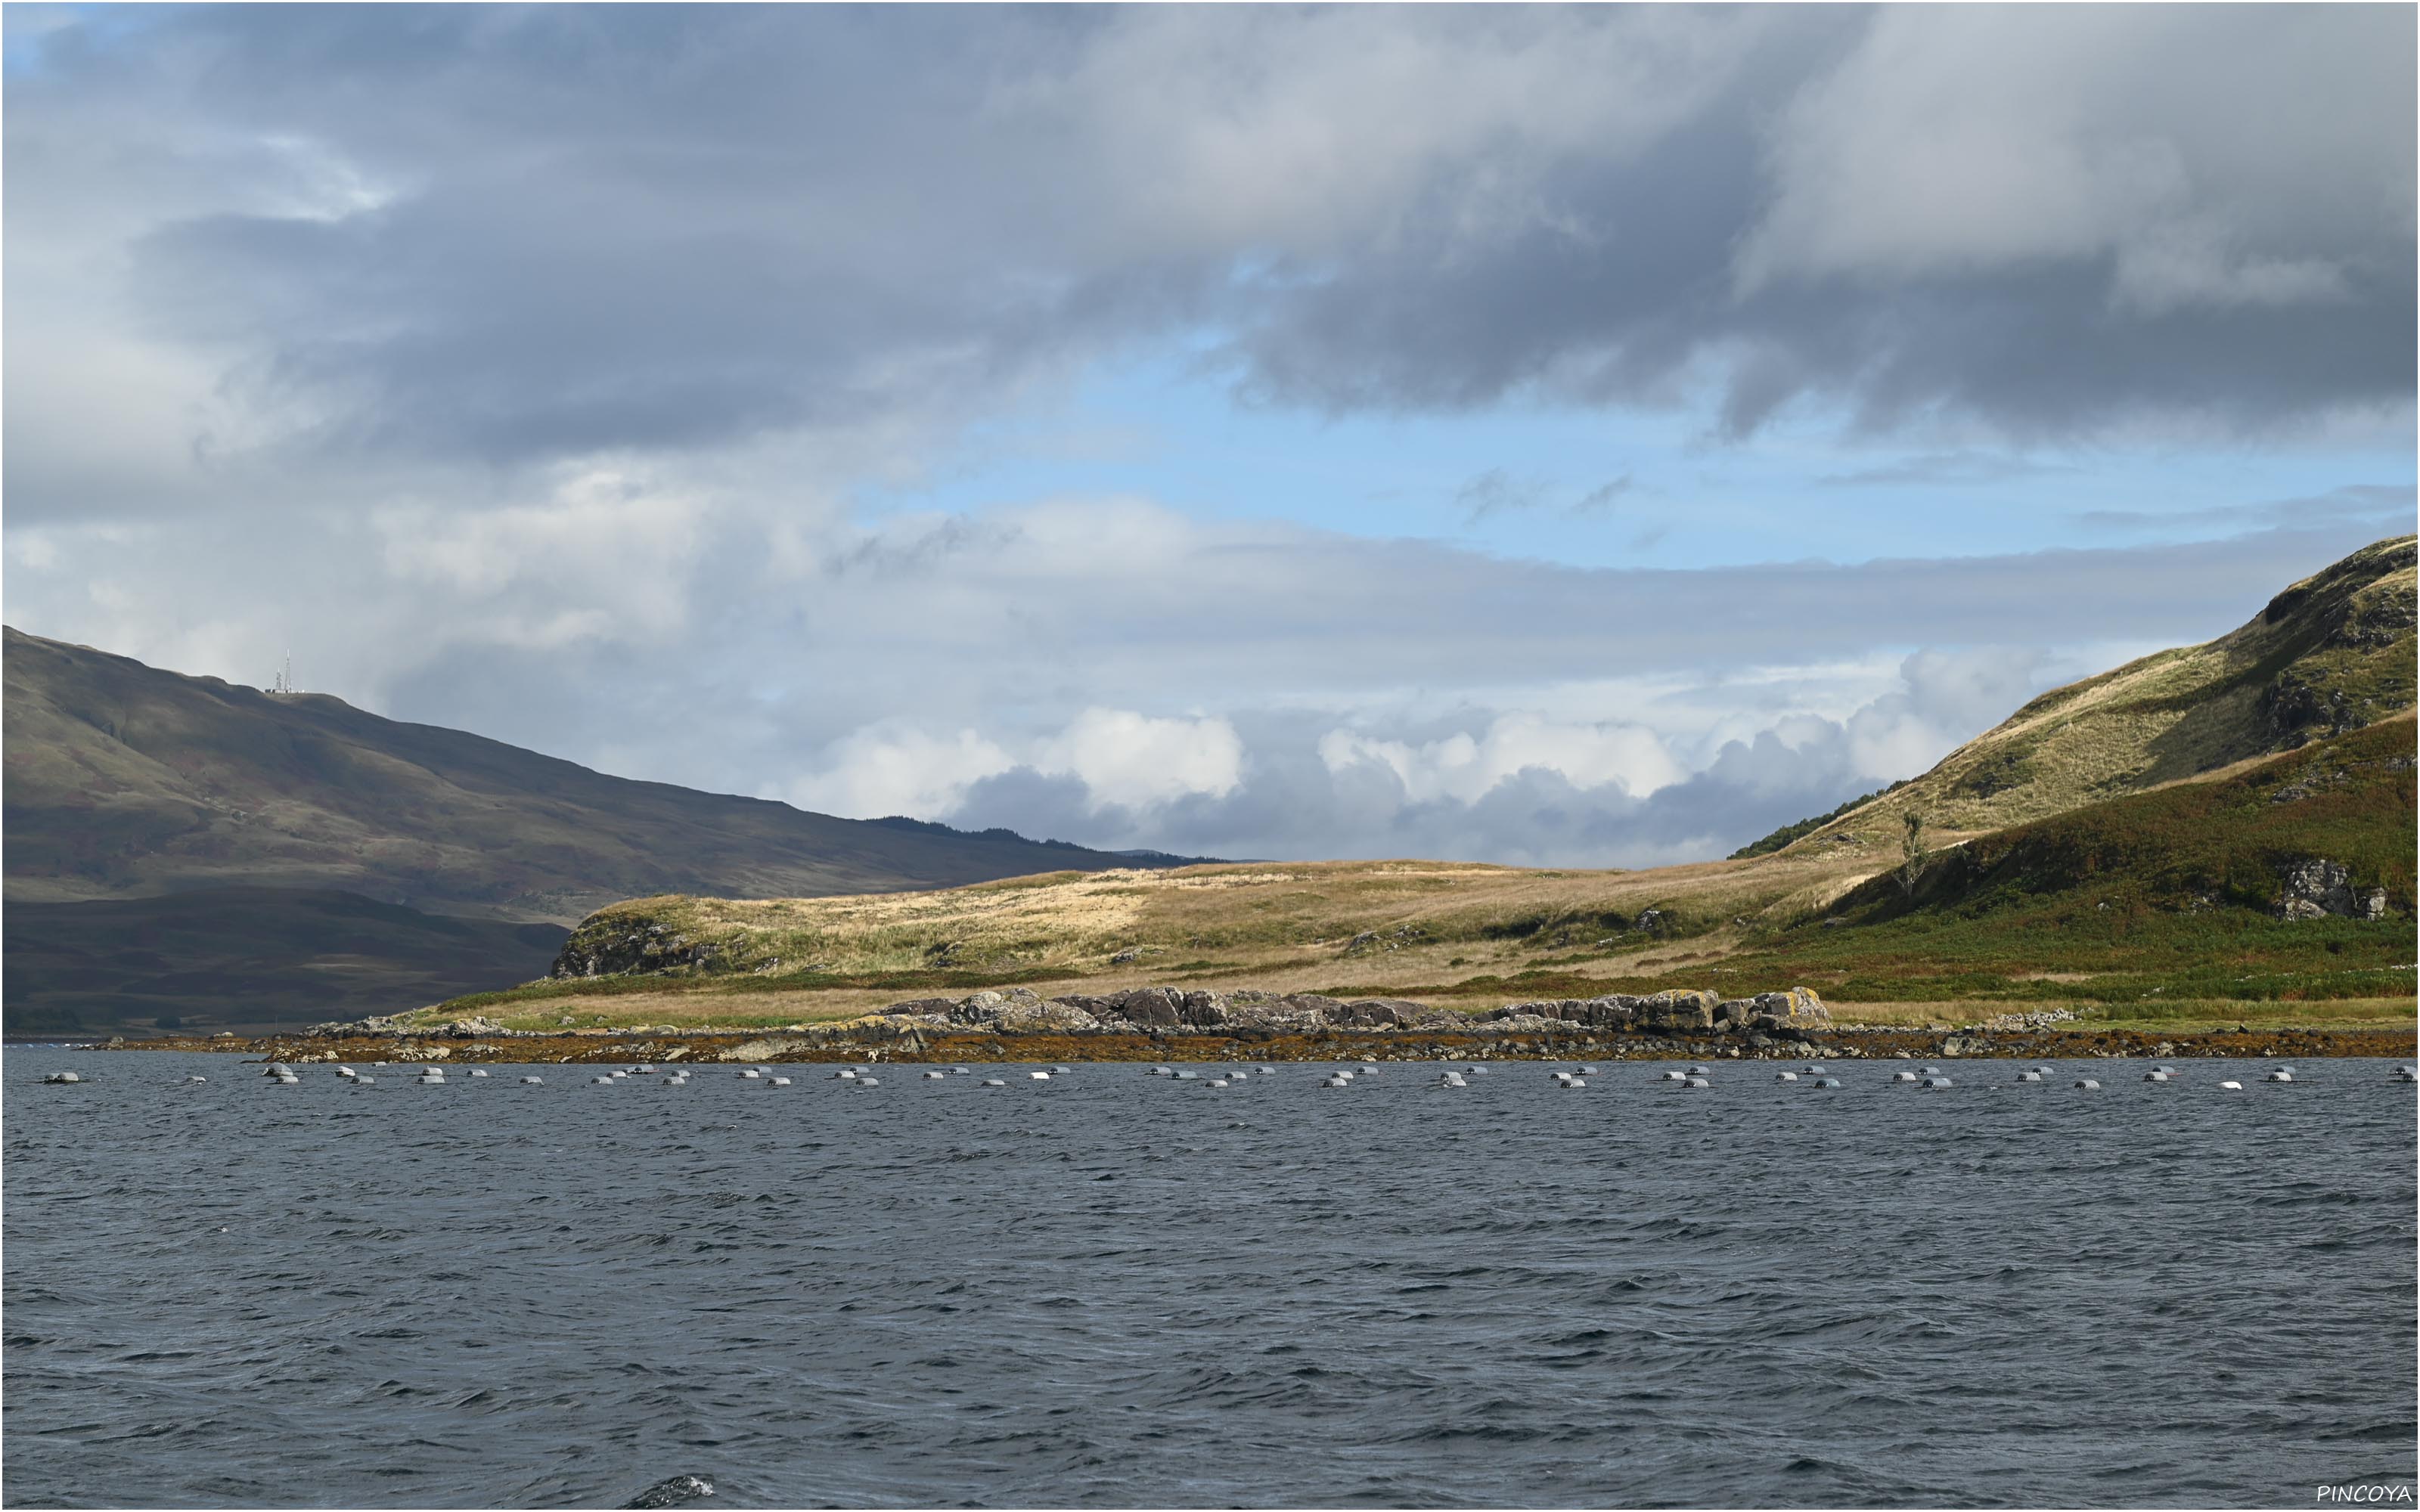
(286, 679)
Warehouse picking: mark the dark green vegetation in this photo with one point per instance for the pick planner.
(247, 959)
(2162, 897)
(125, 782)
(1787, 833)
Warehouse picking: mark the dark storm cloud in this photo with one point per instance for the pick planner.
(509, 234)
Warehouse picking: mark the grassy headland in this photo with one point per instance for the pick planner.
(2160, 909)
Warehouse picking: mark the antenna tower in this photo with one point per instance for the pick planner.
(284, 678)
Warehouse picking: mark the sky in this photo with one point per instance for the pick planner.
(1561, 436)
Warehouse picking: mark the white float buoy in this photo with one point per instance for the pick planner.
(2155, 1076)
(1937, 1082)
(1576, 1081)
(993, 1081)
(2281, 1076)
(867, 1080)
(845, 1074)
(1697, 1081)
(1699, 1071)
(1673, 1076)
(2231, 1086)
(1786, 1076)
(601, 1080)
(2029, 1075)
(779, 1081)
(751, 1074)
(2407, 1074)
(1268, 1071)
(1218, 1082)
(643, 1071)
(935, 1076)
(1826, 1081)
(532, 1081)
(2087, 1084)
(364, 1081)
(960, 1070)
(477, 1072)
(1060, 1070)
(197, 1078)
(1037, 1076)
(63, 1078)
(1903, 1075)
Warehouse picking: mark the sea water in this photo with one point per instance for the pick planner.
(1112, 1288)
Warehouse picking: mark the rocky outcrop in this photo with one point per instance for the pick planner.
(1794, 1013)
(2321, 888)
(611, 951)
(1796, 1010)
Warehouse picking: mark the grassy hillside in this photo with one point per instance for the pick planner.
(2150, 905)
(126, 781)
(247, 959)
(2331, 652)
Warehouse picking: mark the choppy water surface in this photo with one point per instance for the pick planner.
(1116, 1290)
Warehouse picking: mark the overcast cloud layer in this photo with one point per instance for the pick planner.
(531, 372)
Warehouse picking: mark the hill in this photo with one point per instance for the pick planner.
(2200, 831)
(126, 781)
(2329, 654)
(2283, 889)
(248, 959)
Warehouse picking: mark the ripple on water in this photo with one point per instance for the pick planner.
(1103, 1291)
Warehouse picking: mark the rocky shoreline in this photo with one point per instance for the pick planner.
(1159, 1024)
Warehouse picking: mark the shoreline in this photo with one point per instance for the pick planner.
(859, 1043)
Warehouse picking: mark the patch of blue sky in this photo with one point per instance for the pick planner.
(1632, 487)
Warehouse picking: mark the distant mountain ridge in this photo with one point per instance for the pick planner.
(127, 781)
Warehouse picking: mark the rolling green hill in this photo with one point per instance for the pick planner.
(2329, 654)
